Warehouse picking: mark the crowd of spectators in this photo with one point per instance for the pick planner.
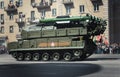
(108, 49)
(103, 46)
(3, 50)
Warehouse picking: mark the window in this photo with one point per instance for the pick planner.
(20, 14)
(32, 15)
(2, 29)
(2, 42)
(20, 29)
(82, 9)
(20, 2)
(68, 10)
(96, 7)
(42, 14)
(11, 29)
(2, 16)
(53, 12)
(11, 17)
(32, 1)
(53, 0)
(1, 5)
(11, 0)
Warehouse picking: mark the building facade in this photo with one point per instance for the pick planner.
(15, 14)
(114, 21)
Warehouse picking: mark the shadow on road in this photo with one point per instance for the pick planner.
(48, 70)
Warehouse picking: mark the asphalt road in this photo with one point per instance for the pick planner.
(95, 66)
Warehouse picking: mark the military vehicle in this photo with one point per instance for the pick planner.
(61, 38)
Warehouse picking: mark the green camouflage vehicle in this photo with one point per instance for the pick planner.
(61, 38)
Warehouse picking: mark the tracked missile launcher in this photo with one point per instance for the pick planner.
(61, 38)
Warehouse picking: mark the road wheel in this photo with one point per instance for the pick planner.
(20, 56)
(45, 56)
(77, 52)
(28, 56)
(14, 54)
(56, 56)
(36, 56)
(67, 56)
